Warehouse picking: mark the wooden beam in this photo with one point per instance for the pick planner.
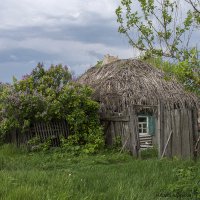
(145, 106)
(115, 118)
(166, 144)
(197, 144)
(133, 132)
(159, 129)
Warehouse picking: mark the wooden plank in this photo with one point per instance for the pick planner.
(116, 118)
(35, 129)
(42, 131)
(62, 128)
(65, 128)
(174, 135)
(197, 144)
(195, 128)
(112, 131)
(191, 132)
(178, 132)
(167, 142)
(160, 128)
(165, 130)
(108, 135)
(123, 138)
(145, 106)
(46, 130)
(127, 136)
(137, 137)
(121, 132)
(117, 129)
(125, 143)
(59, 132)
(68, 128)
(169, 125)
(185, 134)
(133, 133)
(54, 131)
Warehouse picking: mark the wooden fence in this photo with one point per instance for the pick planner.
(43, 131)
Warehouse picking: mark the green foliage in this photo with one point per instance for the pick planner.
(99, 63)
(35, 144)
(57, 174)
(47, 95)
(117, 143)
(195, 10)
(187, 72)
(186, 184)
(158, 28)
(149, 153)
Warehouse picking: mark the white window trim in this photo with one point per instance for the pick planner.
(147, 133)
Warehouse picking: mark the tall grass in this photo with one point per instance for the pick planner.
(58, 175)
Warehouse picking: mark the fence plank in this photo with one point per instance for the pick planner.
(42, 130)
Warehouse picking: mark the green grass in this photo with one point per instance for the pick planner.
(106, 176)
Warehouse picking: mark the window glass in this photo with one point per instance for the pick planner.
(142, 119)
(143, 124)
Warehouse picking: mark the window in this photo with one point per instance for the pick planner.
(143, 125)
(147, 124)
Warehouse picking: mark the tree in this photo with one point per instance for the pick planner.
(196, 9)
(187, 73)
(161, 29)
(158, 28)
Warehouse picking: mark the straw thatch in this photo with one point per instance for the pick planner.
(126, 82)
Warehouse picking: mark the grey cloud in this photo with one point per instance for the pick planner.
(95, 33)
(96, 54)
(103, 33)
(95, 30)
(79, 41)
(23, 55)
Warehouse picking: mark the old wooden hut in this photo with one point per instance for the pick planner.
(138, 105)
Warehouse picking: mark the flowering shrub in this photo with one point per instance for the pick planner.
(47, 95)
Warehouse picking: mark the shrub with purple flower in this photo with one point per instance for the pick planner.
(47, 95)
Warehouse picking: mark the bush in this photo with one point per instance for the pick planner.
(48, 95)
(186, 184)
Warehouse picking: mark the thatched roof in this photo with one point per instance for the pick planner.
(130, 81)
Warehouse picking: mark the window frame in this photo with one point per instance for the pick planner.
(142, 123)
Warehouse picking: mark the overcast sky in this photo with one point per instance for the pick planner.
(76, 33)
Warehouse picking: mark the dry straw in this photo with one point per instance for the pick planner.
(126, 82)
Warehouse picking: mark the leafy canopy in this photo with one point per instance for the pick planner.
(47, 95)
(159, 28)
(187, 73)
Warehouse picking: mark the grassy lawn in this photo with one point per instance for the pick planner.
(106, 176)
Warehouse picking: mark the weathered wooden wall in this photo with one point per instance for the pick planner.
(178, 133)
(124, 127)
